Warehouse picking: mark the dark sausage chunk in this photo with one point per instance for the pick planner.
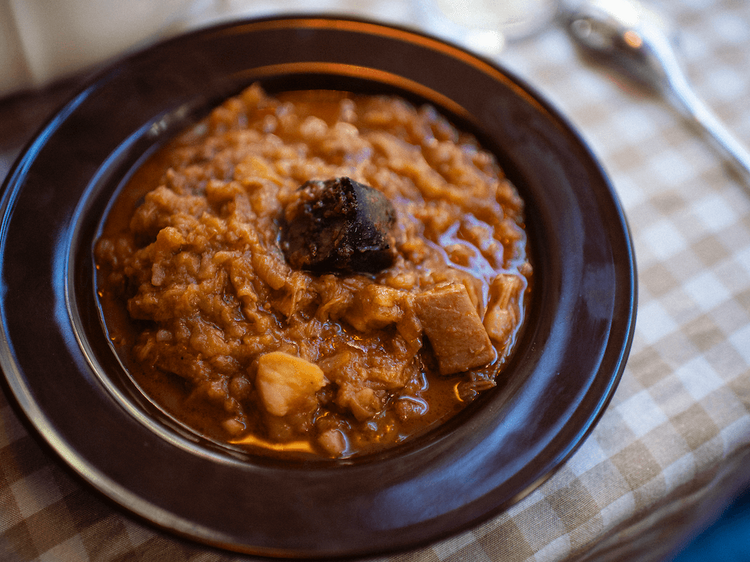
(338, 226)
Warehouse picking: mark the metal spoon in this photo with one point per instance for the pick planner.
(637, 39)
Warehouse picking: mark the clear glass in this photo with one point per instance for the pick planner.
(486, 25)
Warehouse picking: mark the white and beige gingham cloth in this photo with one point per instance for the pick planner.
(674, 443)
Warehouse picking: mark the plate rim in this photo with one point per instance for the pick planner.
(141, 506)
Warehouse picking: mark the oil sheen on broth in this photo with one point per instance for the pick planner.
(317, 273)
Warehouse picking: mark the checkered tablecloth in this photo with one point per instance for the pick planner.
(672, 446)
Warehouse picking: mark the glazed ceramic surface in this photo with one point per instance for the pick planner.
(69, 385)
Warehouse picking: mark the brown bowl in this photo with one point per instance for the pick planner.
(67, 382)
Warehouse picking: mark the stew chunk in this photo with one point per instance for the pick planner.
(286, 383)
(454, 328)
(339, 225)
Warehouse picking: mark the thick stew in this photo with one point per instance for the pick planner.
(315, 273)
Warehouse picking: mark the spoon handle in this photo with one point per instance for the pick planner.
(676, 85)
(700, 114)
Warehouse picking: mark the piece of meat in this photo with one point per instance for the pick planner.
(287, 383)
(376, 306)
(454, 328)
(503, 310)
(338, 225)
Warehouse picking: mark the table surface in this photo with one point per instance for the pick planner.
(673, 445)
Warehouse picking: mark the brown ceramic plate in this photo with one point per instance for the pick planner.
(65, 379)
